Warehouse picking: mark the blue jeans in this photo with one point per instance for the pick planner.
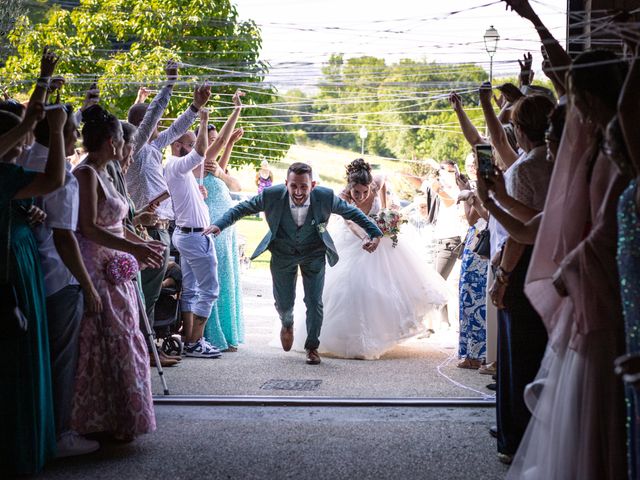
(199, 272)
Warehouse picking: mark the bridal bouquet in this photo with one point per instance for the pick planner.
(389, 222)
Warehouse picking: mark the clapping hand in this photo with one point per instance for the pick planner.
(56, 117)
(510, 92)
(204, 118)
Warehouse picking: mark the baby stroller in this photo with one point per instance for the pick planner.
(167, 320)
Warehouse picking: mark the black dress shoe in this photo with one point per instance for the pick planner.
(492, 386)
(493, 431)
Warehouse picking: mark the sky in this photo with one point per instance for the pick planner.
(299, 35)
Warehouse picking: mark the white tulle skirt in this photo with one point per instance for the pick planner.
(372, 301)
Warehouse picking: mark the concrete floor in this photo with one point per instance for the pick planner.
(416, 368)
(300, 442)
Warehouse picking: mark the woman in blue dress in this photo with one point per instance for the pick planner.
(473, 281)
(27, 432)
(225, 327)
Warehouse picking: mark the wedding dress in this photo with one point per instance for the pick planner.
(372, 301)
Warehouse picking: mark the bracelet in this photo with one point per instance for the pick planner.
(41, 82)
(193, 108)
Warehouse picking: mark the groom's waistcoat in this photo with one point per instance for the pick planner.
(293, 240)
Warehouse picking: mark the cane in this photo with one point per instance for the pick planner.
(152, 340)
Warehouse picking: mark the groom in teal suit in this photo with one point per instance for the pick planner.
(297, 214)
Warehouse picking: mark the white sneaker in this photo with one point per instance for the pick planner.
(201, 349)
(71, 443)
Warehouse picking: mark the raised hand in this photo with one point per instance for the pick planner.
(56, 116)
(48, 62)
(91, 96)
(521, 7)
(237, 98)
(171, 69)
(201, 96)
(204, 117)
(486, 92)
(526, 73)
(455, 101)
(510, 92)
(143, 94)
(236, 135)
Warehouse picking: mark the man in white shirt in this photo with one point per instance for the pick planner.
(197, 252)
(145, 177)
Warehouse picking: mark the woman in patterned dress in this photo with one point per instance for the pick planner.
(473, 281)
(113, 387)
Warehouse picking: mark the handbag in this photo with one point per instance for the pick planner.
(14, 322)
(482, 247)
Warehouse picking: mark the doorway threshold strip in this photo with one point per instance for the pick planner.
(309, 401)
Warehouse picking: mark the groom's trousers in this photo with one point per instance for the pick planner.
(284, 272)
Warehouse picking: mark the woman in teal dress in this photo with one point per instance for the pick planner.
(27, 433)
(225, 328)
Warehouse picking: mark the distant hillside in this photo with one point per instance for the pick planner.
(329, 163)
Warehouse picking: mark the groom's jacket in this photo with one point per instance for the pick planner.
(274, 202)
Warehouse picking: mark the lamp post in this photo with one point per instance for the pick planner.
(491, 38)
(363, 136)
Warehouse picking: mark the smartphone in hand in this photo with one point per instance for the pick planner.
(484, 157)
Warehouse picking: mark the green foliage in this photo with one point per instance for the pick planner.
(404, 107)
(126, 43)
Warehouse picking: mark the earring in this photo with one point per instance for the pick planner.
(114, 150)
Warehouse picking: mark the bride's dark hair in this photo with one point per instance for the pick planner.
(359, 173)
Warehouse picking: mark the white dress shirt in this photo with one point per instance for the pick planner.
(61, 207)
(299, 213)
(188, 205)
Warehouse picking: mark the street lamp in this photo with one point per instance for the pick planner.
(363, 136)
(491, 38)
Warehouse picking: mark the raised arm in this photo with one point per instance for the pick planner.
(496, 130)
(227, 130)
(155, 109)
(558, 57)
(235, 137)
(470, 132)
(53, 176)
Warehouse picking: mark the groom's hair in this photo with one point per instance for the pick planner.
(300, 168)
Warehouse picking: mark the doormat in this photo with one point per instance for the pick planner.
(296, 385)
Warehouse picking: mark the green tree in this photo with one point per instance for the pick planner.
(125, 43)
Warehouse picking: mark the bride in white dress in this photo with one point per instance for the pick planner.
(372, 301)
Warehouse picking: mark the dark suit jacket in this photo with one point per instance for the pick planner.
(323, 204)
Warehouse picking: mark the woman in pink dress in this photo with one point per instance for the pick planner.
(113, 388)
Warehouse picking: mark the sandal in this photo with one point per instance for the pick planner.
(231, 348)
(470, 363)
